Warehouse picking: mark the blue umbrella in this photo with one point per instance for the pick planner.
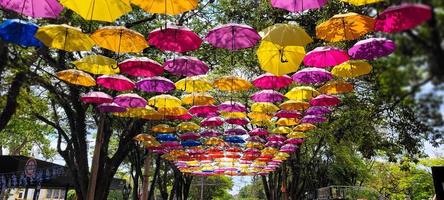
(191, 143)
(166, 137)
(19, 32)
(234, 139)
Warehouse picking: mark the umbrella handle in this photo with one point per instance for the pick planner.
(282, 56)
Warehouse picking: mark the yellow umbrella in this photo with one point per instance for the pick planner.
(137, 112)
(163, 128)
(171, 7)
(279, 60)
(256, 145)
(286, 35)
(188, 126)
(153, 116)
(296, 135)
(194, 84)
(262, 122)
(198, 99)
(269, 151)
(259, 116)
(64, 37)
(341, 27)
(282, 154)
(164, 101)
(213, 141)
(119, 39)
(233, 114)
(281, 130)
(232, 84)
(148, 144)
(173, 111)
(294, 105)
(97, 64)
(144, 137)
(287, 122)
(302, 93)
(76, 77)
(336, 87)
(362, 2)
(100, 10)
(304, 127)
(264, 107)
(352, 69)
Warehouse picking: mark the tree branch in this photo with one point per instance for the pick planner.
(11, 102)
(147, 19)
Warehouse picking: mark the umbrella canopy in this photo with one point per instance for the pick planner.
(233, 36)
(19, 32)
(170, 7)
(97, 64)
(141, 66)
(372, 48)
(110, 107)
(236, 131)
(325, 100)
(267, 96)
(173, 111)
(313, 119)
(156, 84)
(304, 127)
(302, 93)
(203, 109)
(174, 38)
(258, 132)
(64, 37)
(341, 27)
(325, 57)
(191, 143)
(212, 122)
(298, 5)
(402, 17)
(270, 81)
(287, 122)
(188, 126)
(234, 139)
(119, 39)
(33, 8)
(362, 2)
(231, 84)
(296, 135)
(130, 100)
(184, 117)
(194, 84)
(281, 130)
(260, 116)
(76, 77)
(164, 101)
(279, 60)
(96, 97)
(115, 82)
(237, 121)
(288, 114)
(336, 87)
(100, 10)
(317, 110)
(230, 106)
(286, 35)
(352, 69)
(198, 99)
(312, 76)
(294, 105)
(186, 66)
(163, 128)
(139, 112)
(233, 114)
(166, 137)
(210, 133)
(264, 107)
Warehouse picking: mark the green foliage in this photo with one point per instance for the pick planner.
(252, 191)
(215, 187)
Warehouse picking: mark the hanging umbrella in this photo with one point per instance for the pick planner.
(230, 106)
(231, 84)
(234, 139)
(313, 119)
(141, 66)
(233, 36)
(33, 8)
(207, 114)
(317, 110)
(270, 81)
(298, 5)
(119, 39)
(233, 114)
(352, 69)
(236, 131)
(198, 99)
(286, 35)
(191, 143)
(279, 60)
(237, 121)
(170, 7)
(312, 75)
(260, 116)
(174, 38)
(19, 32)
(164, 101)
(110, 107)
(130, 100)
(287, 122)
(166, 137)
(281, 130)
(172, 111)
(294, 105)
(362, 2)
(267, 96)
(288, 148)
(163, 128)
(258, 132)
(336, 87)
(273, 138)
(194, 84)
(213, 141)
(64, 37)
(115, 82)
(341, 27)
(304, 127)
(324, 57)
(76, 77)
(156, 84)
(96, 97)
(372, 48)
(402, 17)
(288, 114)
(325, 100)
(100, 10)
(210, 133)
(302, 93)
(139, 112)
(196, 110)
(186, 66)
(296, 135)
(144, 138)
(188, 126)
(97, 64)
(184, 117)
(295, 141)
(264, 107)
(212, 122)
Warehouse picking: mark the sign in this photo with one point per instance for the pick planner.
(30, 167)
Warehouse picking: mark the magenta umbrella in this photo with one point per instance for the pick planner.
(110, 107)
(237, 121)
(96, 97)
(288, 114)
(186, 66)
(312, 75)
(174, 38)
(255, 139)
(212, 121)
(372, 48)
(210, 133)
(325, 100)
(236, 131)
(34, 8)
(288, 148)
(203, 109)
(233, 36)
(402, 17)
(267, 96)
(230, 106)
(189, 136)
(324, 57)
(274, 144)
(298, 5)
(296, 141)
(141, 66)
(258, 132)
(184, 117)
(276, 138)
(313, 119)
(271, 81)
(317, 110)
(115, 82)
(156, 84)
(207, 115)
(130, 100)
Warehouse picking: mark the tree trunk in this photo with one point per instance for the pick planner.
(154, 181)
(11, 99)
(145, 184)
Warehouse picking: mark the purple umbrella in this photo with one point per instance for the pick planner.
(313, 119)
(34, 8)
(271, 81)
(210, 133)
(255, 139)
(230, 106)
(372, 48)
(325, 100)
(296, 141)
(96, 98)
(110, 107)
(212, 121)
(288, 114)
(186, 66)
(267, 96)
(324, 57)
(288, 148)
(258, 132)
(156, 84)
(130, 100)
(236, 131)
(298, 5)
(312, 76)
(233, 37)
(274, 143)
(237, 121)
(317, 110)
(276, 137)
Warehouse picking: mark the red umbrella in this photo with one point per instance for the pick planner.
(141, 66)
(174, 38)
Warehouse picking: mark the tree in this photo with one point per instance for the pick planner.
(214, 187)
(252, 191)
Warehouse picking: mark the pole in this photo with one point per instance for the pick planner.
(145, 184)
(96, 159)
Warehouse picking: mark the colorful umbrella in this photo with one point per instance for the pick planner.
(96, 97)
(212, 122)
(402, 17)
(325, 57)
(140, 112)
(286, 35)
(294, 105)
(362, 2)
(288, 114)
(313, 119)
(198, 99)
(230, 106)
(287, 122)
(298, 5)
(119, 39)
(130, 100)
(233, 36)
(302, 93)
(270, 81)
(281, 130)
(110, 107)
(173, 111)
(336, 87)
(97, 64)
(191, 143)
(264, 107)
(317, 110)
(166, 137)
(19, 32)
(141, 66)
(304, 127)
(194, 84)
(372, 48)
(325, 100)
(174, 38)
(196, 110)
(237, 121)
(100, 10)
(156, 84)
(267, 96)
(184, 117)
(210, 133)
(163, 128)
(312, 75)
(233, 114)
(64, 37)
(236, 131)
(296, 135)
(186, 66)
(279, 60)
(260, 116)
(76, 77)
(341, 27)
(171, 7)
(34, 9)
(258, 132)
(115, 82)
(232, 84)
(188, 126)
(234, 139)
(164, 101)
(352, 69)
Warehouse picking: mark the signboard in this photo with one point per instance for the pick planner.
(30, 167)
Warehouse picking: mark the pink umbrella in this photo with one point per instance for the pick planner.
(258, 132)
(402, 17)
(110, 107)
(156, 84)
(372, 48)
(317, 110)
(115, 82)
(288, 148)
(130, 100)
(189, 136)
(203, 109)
(236, 131)
(252, 151)
(141, 66)
(171, 144)
(212, 121)
(237, 121)
(210, 133)
(184, 117)
(271, 81)
(96, 98)
(267, 96)
(325, 100)
(276, 138)
(230, 106)
(255, 139)
(312, 75)
(174, 38)
(313, 119)
(34, 8)
(298, 5)
(324, 57)
(233, 36)
(296, 141)
(288, 114)
(186, 66)
(207, 115)
(274, 143)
